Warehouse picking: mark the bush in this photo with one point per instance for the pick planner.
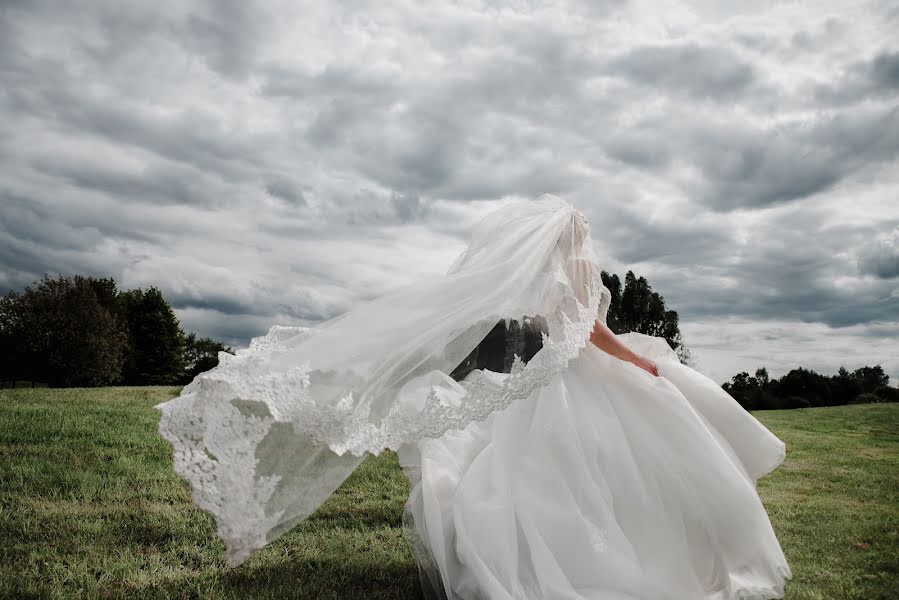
(764, 400)
(866, 399)
(796, 402)
(887, 393)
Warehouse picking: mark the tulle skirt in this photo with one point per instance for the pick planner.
(607, 484)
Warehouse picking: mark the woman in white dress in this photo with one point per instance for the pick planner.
(601, 468)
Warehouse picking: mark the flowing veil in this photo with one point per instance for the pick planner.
(267, 435)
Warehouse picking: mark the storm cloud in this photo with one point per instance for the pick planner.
(269, 163)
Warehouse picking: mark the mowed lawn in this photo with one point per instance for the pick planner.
(90, 507)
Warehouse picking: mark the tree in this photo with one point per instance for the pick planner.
(745, 390)
(807, 384)
(871, 378)
(64, 331)
(200, 355)
(845, 387)
(887, 393)
(803, 387)
(68, 331)
(11, 338)
(637, 308)
(156, 341)
(509, 337)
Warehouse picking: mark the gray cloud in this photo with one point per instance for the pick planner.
(739, 165)
(155, 183)
(700, 72)
(227, 34)
(265, 163)
(287, 190)
(877, 78)
(885, 70)
(881, 257)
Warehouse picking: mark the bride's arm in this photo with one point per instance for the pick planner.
(605, 339)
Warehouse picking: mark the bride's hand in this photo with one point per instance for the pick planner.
(646, 364)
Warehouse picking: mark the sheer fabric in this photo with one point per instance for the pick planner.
(570, 474)
(266, 436)
(606, 484)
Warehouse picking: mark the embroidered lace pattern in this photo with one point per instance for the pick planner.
(342, 429)
(217, 423)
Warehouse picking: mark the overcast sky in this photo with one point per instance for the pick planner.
(275, 162)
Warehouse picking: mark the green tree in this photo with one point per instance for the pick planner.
(754, 393)
(12, 339)
(871, 378)
(887, 393)
(156, 341)
(743, 388)
(844, 386)
(647, 315)
(807, 384)
(635, 307)
(64, 331)
(200, 355)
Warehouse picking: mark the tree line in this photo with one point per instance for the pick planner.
(635, 307)
(81, 331)
(802, 388)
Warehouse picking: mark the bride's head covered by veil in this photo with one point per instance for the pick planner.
(541, 235)
(378, 377)
(521, 222)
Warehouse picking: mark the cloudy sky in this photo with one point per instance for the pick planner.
(275, 162)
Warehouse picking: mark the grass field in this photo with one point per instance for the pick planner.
(90, 507)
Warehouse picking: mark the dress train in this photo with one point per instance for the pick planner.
(606, 484)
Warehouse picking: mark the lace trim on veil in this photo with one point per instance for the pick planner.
(343, 430)
(215, 440)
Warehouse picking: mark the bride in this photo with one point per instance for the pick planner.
(599, 467)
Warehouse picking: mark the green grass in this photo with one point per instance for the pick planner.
(90, 507)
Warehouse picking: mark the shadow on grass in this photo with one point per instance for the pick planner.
(324, 579)
(318, 578)
(348, 518)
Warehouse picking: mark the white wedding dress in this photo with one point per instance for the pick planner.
(574, 475)
(607, 484)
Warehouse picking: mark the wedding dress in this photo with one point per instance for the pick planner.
(572, 475)
(609, 483)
